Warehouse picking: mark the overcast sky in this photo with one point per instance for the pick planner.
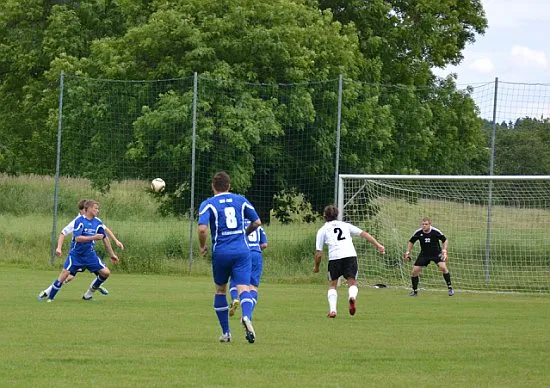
(515, 47)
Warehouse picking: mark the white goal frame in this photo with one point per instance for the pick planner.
(504, 266)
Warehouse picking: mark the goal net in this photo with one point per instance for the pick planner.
(498, 228)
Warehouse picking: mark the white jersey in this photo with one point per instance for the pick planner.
(338, 236)
(70, 227)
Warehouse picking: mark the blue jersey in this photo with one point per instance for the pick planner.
(85, 227)
(256, 238)
(226, 213)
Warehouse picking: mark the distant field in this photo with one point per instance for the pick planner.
(160, 331)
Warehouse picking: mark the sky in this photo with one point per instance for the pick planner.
(516, 49)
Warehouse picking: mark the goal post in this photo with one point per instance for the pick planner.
(498, 228)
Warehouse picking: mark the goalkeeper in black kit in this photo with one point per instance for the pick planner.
(430, 250)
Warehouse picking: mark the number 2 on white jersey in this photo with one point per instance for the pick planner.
(340, 233)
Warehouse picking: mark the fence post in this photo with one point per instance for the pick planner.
(338, 126)
(57, 164)
(490, 196)
(194, 139)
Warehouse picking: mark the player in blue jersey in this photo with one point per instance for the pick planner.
(430, 250)
(257, 241)
(87, 229)
(226, 214)
(68, 229)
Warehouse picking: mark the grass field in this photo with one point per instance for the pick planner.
(160, 331)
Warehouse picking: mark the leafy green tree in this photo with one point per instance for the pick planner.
(267, 134)
(522, 148)
(411, 37)
(229, 42)
(431, 127)
(34, 35)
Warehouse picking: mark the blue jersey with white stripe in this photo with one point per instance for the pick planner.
(226, 213)
(256, 238)
(85, 227)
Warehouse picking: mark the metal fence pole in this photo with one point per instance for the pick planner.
(490, 196)
(193, 147)
(57, 166)
(338, 133)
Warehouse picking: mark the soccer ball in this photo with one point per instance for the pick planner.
(158, 185)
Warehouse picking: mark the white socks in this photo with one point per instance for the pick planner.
(332, 297)
(353, 291)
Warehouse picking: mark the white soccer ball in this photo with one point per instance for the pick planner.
(158, 185)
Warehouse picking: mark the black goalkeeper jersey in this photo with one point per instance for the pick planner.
(429, 242)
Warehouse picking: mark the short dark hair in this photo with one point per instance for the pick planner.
(331, 213)
(221, 181)
(81, 204)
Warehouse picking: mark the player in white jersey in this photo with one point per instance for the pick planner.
(68, 229)
(342, 257)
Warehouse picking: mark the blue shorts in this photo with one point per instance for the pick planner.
(257, 264)
(236, 266)
(257, 267)
(77, 263)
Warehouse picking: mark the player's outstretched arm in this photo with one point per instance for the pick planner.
(109, 249)
(373, 241)
(113, 237)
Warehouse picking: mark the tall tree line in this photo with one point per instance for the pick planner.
(398, 117)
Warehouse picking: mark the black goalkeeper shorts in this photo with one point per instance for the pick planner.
(423, 261)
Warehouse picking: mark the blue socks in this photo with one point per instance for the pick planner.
(233, 291)
(254, 295)
(222, 311)
(55, 288)
(247, 304)
(98, 282)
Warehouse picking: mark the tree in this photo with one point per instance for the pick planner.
(523, 148)
(431, 127)
(34, 35)
(230, 43)
(411, 37)
(268, 90)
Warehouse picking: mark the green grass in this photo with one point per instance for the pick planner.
(160, 331)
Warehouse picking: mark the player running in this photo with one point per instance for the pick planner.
(342, 257)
